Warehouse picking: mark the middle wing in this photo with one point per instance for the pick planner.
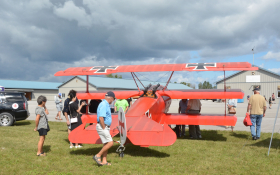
(203, 94)
(101, 94)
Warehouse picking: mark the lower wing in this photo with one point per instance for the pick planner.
(89, 134)
(200, 119)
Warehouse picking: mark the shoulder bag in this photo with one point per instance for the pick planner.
(232, 110)
(73, 119)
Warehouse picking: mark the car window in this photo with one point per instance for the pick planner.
(2, 98)
(12, 97)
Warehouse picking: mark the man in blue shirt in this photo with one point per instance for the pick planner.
(104, 120)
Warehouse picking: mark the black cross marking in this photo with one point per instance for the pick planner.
(201, 66)
(103, 69)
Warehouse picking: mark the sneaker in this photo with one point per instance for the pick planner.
(71, 147)
(79, 146)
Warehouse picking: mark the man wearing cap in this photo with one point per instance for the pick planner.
(257, 108)
(104, 120)
(58, 103)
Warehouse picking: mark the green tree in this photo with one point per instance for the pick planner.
(113, 76)
(109, 75)
(205, 85)
(184, 83)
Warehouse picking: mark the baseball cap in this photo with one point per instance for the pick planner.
(110, 94)
(59, 94)
(256, 89)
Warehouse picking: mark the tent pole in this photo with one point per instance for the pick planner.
(225, 91)
(87, 100)
(273, 129)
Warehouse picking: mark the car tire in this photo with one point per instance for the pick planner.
(6, 119)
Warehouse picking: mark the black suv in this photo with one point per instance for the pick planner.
(13, 107)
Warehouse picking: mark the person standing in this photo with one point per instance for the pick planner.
(66, 110)
(75, 112)
(232, 104)
(104, 120)
(248, 97)
(41, 123)
(270, 103)
(182, 109)
(58, 103)
(194, 107)
(121, 103)
(273, 98)
(256, 108)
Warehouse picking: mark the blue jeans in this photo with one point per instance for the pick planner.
(256, 121)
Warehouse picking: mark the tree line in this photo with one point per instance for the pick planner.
(204, 85)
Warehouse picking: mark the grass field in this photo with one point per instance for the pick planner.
(219, 152)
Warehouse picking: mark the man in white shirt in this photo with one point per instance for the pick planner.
(194, 107)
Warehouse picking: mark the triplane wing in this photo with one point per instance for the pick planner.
(103, 70)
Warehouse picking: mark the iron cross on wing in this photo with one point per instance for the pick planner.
(103, 69)
(201, 66)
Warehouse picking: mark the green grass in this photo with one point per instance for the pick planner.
(217, 153)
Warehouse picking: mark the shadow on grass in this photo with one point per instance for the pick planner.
(210, 135)
(65, 130)
(265, 143)
(242, 136)
(47, 148)
(21, 123)
(131, 150)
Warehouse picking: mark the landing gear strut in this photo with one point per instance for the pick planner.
(120, 150)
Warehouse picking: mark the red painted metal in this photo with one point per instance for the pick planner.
(231, 66)
(101, 94)
(147, 120)
(201, 119)
(151, 130)
(203, 94)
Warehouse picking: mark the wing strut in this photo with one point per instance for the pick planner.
(135, 81)
(168, 81)
(138, 79)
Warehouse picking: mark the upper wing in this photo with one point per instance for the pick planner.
(101, 94)
(203, 94)
(103, 70)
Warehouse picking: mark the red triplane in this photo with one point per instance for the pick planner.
(153, 130)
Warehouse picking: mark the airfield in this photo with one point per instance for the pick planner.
(220, 151)
(208, 107)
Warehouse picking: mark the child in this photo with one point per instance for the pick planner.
(269, 101)
(41, 122)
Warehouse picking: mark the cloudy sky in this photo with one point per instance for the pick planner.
(41, 37)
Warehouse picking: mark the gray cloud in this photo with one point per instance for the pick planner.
(39, 38)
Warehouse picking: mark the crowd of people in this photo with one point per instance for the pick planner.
(73, 112)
